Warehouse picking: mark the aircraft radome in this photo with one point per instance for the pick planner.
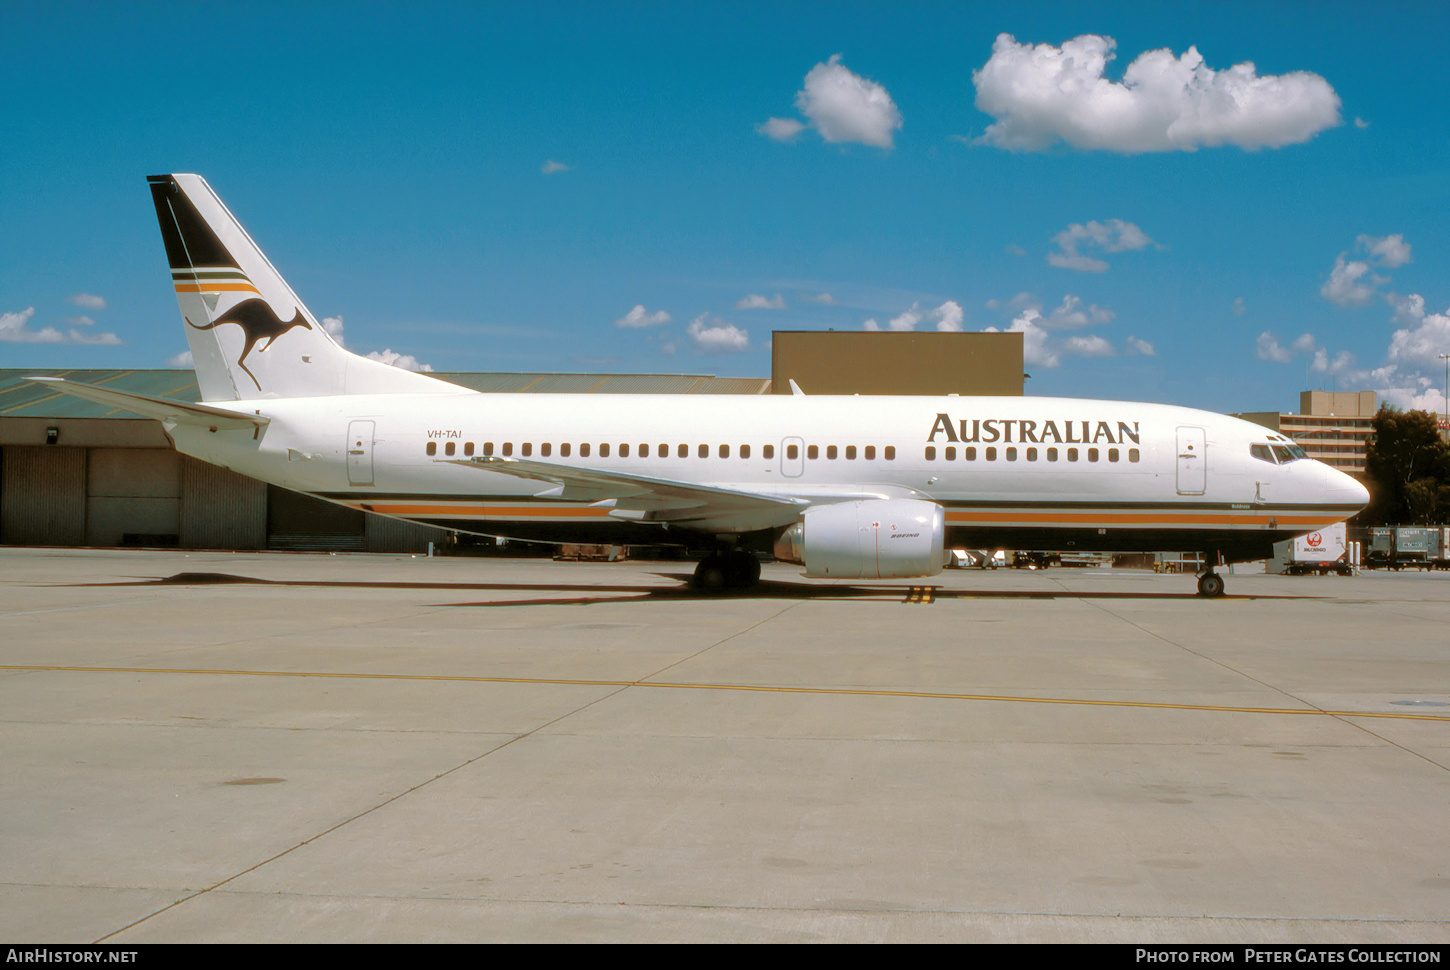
(850, 487)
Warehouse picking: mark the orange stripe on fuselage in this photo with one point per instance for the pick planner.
(216, 287)
(1139, 518)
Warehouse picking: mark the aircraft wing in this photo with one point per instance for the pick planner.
(643, 498)
(160, 408)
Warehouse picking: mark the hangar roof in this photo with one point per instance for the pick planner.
(19, 398)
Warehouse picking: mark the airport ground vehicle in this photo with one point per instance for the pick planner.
(1320, 552)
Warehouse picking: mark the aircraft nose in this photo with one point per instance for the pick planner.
(1346, 490)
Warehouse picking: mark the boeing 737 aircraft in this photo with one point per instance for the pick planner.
(848, 487)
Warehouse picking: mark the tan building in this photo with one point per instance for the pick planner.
(1332, 426)
(867, 362)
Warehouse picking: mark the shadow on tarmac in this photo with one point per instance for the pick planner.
(588, 595)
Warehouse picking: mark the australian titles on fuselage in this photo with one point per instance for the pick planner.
(844, 485)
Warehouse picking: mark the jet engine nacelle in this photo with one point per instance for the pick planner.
(871, 539)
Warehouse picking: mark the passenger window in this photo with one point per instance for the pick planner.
(564, 450)
(1052, 454)
(432, 447)
(488, 447)
(1132, 454)
(1072, 454)
(604, 450)
(1112, 454)
(724, 451)
(526, 449)
(768, 451)
(683, 451)
(643, 451)
(584, 449)
(949, 453)
(792, 452)
(1092, 454)
(508, 448)
(1011, 454)
(704, 451)
(624, 450)
(544, 449)
(468, 449)
(831, 452)
(744, 451)
(991, 454)
(890, 453)
(930, 453)
(850, 452)
(970, 453)
(870, 452)
(1031, 454)
(448, 449)
(664, 451)
(813, 452)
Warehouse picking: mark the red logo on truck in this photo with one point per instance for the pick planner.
(1314, 539)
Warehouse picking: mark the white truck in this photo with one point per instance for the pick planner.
(1325, 551)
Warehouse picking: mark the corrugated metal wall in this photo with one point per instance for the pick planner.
(133, 497)
(394, 535)
(221, 509)
(297, 521)
(43, 496)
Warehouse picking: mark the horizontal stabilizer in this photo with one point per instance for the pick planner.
(160, 408)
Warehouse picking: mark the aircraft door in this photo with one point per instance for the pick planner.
(360, 453)
(1192, 461)
(792, 457)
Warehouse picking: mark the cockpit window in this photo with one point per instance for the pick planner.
(1287, 453)
(1262, 453)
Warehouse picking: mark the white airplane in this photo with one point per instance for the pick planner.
(849, 487)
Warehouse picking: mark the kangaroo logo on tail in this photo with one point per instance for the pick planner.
(258, 322)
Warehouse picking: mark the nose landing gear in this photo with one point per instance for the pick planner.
(1210, 584)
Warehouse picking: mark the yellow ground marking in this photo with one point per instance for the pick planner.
(838, 691)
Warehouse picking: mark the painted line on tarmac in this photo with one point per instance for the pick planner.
(673, 685)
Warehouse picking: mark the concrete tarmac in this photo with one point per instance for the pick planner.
(283, 747)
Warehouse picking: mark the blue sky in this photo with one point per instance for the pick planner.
(499, 187)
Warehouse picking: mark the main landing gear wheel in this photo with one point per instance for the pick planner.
(1210, 584)
(727, 570)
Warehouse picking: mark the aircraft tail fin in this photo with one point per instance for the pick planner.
(250, 336)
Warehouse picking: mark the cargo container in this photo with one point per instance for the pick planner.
(1325, 551)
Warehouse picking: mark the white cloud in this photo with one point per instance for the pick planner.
(1425, 339)
(1040, 346)
(88, 301)
(1090, 346)
(183, 359)
(823, 298)
(842, 107)
(80, 320)
(1012, 249)
(755, 301)
(1113, 236)
(1269, 348)
(640, 317)
(15, 328)
(551, 166)
(1238, 306)
(781, 129)
(1344, 287)
(1389, 251)
(946, 318)
(1041, 94)
(719, 337)
(403, 361)
(1137, 346)
(332, 326)
(1360, 122)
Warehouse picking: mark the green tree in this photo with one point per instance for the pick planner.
(1408, 467)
